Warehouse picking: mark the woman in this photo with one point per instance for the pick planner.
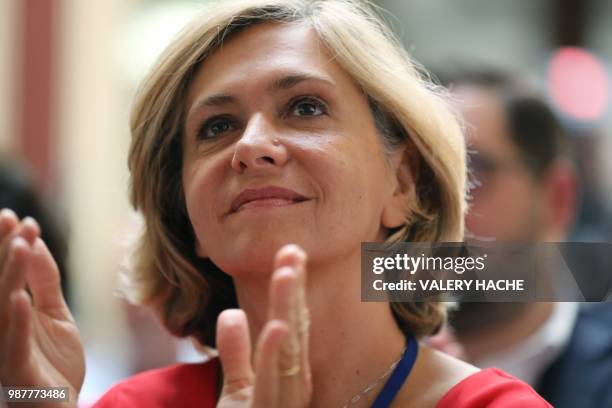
(269, 123)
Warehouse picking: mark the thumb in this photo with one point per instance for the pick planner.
(234, 345)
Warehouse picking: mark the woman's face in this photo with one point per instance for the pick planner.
(280, 147)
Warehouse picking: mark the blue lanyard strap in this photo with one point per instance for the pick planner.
(399, 375)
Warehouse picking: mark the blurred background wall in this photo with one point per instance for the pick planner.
(69, 68)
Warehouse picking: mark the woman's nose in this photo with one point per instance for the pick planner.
(259, 148)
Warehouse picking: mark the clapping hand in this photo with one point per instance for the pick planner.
(40, 344)
(278, 374)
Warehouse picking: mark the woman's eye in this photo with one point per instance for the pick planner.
(308, 107)
(215, 127)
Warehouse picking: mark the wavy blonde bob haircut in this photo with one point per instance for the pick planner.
(188, 292)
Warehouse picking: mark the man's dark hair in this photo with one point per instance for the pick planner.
(533, 127)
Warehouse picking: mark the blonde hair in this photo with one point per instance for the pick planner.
(189, 292)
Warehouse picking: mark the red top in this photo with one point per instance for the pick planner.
(180, 385)
(194, 385)
(492, 388)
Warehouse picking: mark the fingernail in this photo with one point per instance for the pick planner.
(286, 271)
(7, 212)
(5, 215)
(233, 317)
(31, 222)
(19, 241)
(292, 250)
(299, 252)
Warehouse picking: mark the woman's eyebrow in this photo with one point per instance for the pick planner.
(211, 101)
(289, 81)
(282, 83)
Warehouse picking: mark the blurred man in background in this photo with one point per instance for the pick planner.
(524, 190)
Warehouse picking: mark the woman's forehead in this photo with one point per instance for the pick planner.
(271, 54)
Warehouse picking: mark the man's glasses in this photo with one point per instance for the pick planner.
(483, 167)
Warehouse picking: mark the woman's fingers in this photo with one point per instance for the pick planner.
(282, 305)
(281, 359)
(29, 230)
(24, 258)
(17, 346)
(9, 224)
(12, 275)
(267, 363)
(303, 320)
(294, 256)
(15, 308)
(234, 345)
(18, 258)
(43, 280)
(287, 303)
(8, 221)
(11, 229)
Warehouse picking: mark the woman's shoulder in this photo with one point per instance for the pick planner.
(447, 382)
(185, 385)
(491, 388)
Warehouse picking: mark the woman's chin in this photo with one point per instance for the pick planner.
(254, 256)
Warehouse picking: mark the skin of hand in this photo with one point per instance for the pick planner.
(278, 374)
(40, 345)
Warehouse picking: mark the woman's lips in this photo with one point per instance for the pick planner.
(272, 196)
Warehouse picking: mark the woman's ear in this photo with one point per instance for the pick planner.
(401, 203)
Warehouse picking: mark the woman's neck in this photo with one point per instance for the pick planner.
(352, 343)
